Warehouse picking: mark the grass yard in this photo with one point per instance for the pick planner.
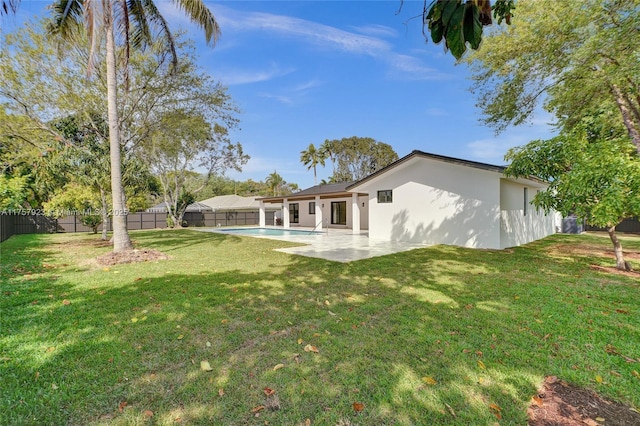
(441, 335)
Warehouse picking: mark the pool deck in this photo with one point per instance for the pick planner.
(338, 245)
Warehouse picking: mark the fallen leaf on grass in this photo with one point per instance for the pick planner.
(310, 348)
(636, 374)
(66, 302)
(220, 392)
(257, 409)
(54, 386)
(208, 344)
(481, 364)
(268, 391)
(300, 341)
(358, 407)
(180, 337)
(599, 379)
(205, 366)
(148, 414)
(496, 410)
(331, 313)
(453, 413)
(122, 405)
(134, 319)
(537, 401)
(429, 380)
(600, 419)
(50, 349)
(278, 367)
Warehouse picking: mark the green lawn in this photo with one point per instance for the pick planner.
(441, 335)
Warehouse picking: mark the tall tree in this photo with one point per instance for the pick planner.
(594, 173)
(311, 157)
(328, 151)
(358, 157)
(572, 56)
(183, 142)
(134, 23)
(275, 182)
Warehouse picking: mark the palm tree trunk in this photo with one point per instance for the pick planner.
(121, 240)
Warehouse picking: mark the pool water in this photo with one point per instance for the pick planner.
(268, 231)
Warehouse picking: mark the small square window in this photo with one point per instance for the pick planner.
(312, 207)
(385, 196)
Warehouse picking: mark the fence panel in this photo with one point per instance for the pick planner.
(631, 225)
(13, 224)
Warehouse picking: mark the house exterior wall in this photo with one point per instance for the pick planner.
(435, 202)
(516, 227)
(310, 220)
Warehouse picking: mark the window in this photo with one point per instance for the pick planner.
(338, 212)
(294, 213)
(312, 207)
(385, 196)
(526, 200)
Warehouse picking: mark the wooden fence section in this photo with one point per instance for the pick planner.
(631, 225)
(15, 224)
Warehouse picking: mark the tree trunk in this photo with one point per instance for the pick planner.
(121, 240)
(617, 249)
(105, 214)
(627, 116)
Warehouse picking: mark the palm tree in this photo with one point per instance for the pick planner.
(327, 150)
(133, 21)
(311, 157)
(275, 182)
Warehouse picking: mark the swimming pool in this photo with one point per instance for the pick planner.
(279, 232)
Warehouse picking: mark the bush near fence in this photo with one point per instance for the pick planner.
(15, 224)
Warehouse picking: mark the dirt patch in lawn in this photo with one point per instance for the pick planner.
(131, 256)
(558, 403)
(592, 250)
(588, 250)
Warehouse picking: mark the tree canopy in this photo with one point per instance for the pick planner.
(570, 56)
(593, 173)
(356, 157)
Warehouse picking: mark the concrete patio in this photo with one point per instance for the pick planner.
(338, 245)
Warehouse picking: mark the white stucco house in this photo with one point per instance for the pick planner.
(427, 198)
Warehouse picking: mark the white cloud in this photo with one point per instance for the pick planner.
(376, 30)
(280, 98)
(436, 112)
(236, 77)
(329, 38)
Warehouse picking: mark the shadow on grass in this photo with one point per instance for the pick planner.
(431, 336)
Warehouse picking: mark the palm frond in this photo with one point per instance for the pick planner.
(67, 16)
(8, 6)
(154, 16)
(139, 33)
(201, 16)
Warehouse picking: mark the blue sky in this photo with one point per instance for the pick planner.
(306, 71)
